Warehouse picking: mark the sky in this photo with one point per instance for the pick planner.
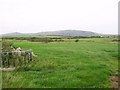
(31, 16)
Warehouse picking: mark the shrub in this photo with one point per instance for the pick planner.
(77, 40)
(46, 40)
(6, 45)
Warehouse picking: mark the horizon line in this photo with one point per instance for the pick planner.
(53, 31)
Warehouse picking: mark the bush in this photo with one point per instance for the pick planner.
(6, 45)
(77, 40)
(46, 40)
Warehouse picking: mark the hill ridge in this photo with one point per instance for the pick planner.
(60, 33)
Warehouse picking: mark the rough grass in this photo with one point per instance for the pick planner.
(82, 64)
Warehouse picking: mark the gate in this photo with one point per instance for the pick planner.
(14, 58)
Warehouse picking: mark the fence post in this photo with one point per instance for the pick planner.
(13, 60)
(25, 57)
(19, 57)
(2, 59)
(8, 59)
(30, 56)
(19, 60)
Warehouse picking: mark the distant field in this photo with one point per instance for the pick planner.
(88, 63)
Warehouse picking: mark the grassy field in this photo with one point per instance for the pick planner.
(88, 63)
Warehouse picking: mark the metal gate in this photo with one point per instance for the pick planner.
(14, 59)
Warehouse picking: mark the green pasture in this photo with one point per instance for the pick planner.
(88, 63)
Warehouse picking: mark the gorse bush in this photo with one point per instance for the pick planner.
(7, 45)
(77, 40)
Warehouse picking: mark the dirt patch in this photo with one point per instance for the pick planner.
(7, 69)
(114, 80)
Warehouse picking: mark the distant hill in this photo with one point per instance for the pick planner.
(68, 33)
(60, 33)
(17, 34)
(13, 34)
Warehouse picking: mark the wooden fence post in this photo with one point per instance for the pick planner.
(30, 56)
(8, 64)
(14, 62)
(25, 57)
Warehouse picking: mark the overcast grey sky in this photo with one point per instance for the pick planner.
(30, 16)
